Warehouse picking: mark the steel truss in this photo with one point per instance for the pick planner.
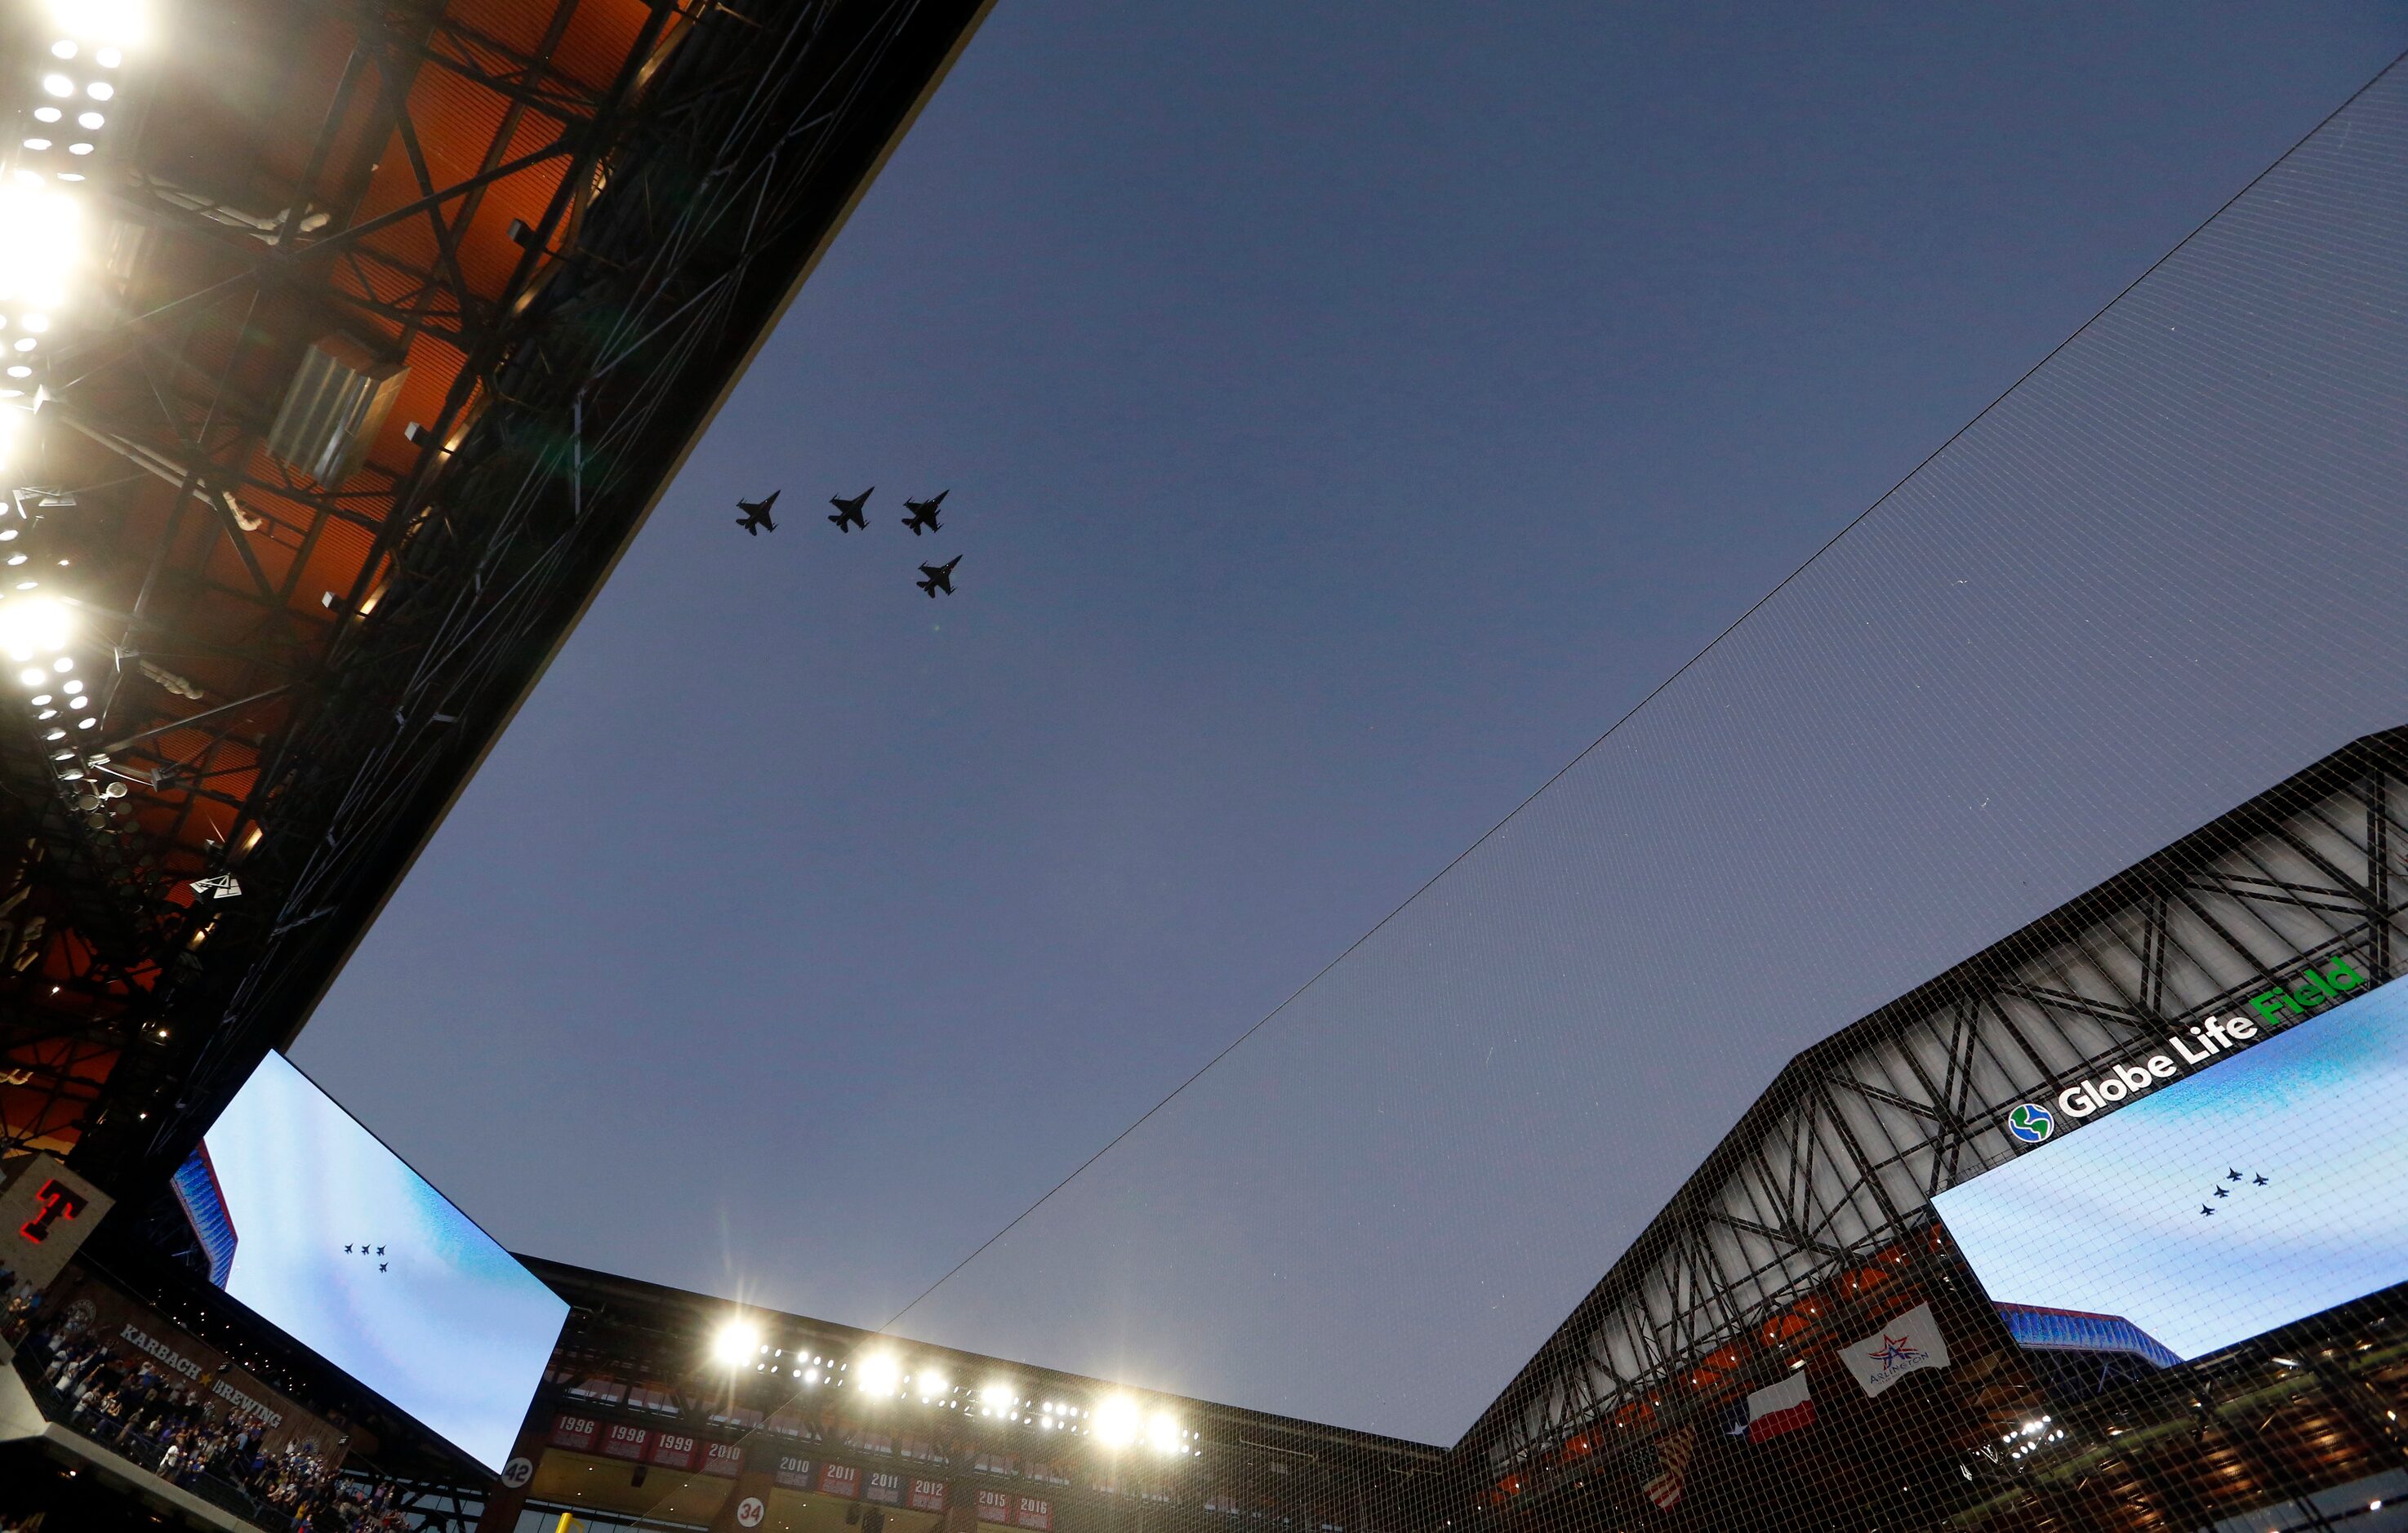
(336, 659)
(1839, 1160)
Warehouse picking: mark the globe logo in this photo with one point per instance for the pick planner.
(2031, 1123)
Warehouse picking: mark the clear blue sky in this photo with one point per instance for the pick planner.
(1350, 410)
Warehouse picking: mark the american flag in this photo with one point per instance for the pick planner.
(1673, 1453)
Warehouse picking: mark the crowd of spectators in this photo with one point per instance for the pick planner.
(177, 1430)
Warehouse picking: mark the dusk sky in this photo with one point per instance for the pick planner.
(1349, 412)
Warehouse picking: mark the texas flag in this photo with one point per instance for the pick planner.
(1781, 1408)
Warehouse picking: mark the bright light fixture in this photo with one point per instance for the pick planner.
(1163, 1432)
(737, 1342)
(934, 1386)
(123, 22)
(100, 90)
(44, 249)
(58, 85)
(31, 625)
(31, 676)
(1116, 1422)
(879, 1373)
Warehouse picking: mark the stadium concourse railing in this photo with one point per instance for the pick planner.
(1835, 1166)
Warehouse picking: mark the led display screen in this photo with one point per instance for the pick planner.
(309, 1220)
(2264, 1185)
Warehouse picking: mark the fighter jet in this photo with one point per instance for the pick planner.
(2232, 1175)
(2205, 1211)
(2224, 1192)
(755, 519)
(923, 513)
(2258, 1182)
(847, 512)
(939, 577)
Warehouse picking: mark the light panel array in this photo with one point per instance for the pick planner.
(1118, 1421)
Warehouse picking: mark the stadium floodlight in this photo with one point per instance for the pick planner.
(44, 250)
(123, 22)
(31, 625)
(879, 1373)
(32, 676)
(1117, 1422)
(1164, 1433)
(735, 1342)
(934, 1386)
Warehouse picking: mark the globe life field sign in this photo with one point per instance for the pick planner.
(2262, 1181)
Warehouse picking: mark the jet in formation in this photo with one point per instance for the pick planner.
(938, 578)
(923, 513)
(847, 512)
(755, 520)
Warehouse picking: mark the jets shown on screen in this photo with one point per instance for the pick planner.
(848, 512)
(2232, 1174)
(936, 577)
(923, 513)
(755, 519)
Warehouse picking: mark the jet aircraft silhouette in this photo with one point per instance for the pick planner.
(2204, 1209)
(923, 513)
(2258, 1182)
(2232, 1175)
(847, 512)
(755, 519)
(938, 578)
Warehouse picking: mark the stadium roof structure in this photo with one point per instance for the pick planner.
(347, 347)
(1815, 1208)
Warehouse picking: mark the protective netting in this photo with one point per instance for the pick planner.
(2034, 858)
(2097, 1228)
